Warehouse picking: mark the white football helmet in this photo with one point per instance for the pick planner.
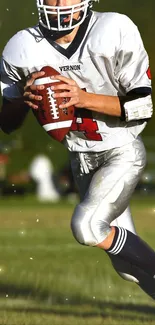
(65, 20)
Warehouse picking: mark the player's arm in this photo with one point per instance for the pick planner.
(132, 75)
(136, 105)
(81, 99)
(14, 110)
(12, 115)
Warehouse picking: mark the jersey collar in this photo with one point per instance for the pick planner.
(75, 43)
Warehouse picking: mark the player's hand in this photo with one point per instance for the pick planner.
(29, 96)
(70, 89)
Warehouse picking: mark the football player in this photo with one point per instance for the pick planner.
(106, 75)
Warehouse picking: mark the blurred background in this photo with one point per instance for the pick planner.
(18, 150)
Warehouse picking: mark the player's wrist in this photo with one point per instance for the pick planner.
(90, 101)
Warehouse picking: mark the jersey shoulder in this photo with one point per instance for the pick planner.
(108, 31)
(113, 23)
(21, 43)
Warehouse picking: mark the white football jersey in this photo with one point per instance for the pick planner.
(106, 57)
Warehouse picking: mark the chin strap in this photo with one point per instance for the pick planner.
(52, 34)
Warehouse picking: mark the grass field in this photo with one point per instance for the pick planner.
(46, 278)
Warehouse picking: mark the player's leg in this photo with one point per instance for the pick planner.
(107, 197)
(124, 268)
(129, 247)
(125, 220)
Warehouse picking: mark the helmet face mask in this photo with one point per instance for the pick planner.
(61, 18)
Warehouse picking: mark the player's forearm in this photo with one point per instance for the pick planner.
(12, 115)
(109, 105)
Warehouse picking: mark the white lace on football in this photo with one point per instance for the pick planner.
(53, 104)
(52, 101)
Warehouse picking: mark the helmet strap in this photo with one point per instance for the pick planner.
(53, 34)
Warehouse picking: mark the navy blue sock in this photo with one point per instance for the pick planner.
(133, 249)
(144, 280)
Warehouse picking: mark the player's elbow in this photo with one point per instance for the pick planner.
(5, 127)
(12, 116)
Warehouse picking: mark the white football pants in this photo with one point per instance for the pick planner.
(106, 182)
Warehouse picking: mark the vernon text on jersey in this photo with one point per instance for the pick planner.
(70, 67)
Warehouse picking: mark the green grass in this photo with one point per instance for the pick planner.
(47, 278)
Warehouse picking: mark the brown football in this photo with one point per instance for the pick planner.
(55, 121)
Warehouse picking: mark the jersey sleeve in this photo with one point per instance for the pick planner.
(11, 80)
(132, 67)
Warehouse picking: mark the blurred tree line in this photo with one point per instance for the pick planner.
(31, 138)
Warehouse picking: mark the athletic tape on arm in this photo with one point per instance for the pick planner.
(138, 109)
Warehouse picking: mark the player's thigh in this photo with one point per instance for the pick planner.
(110, 188)
(81, 179)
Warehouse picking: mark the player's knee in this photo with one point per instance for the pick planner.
(82, 232)
(77, 231)
(81, 226)
(88, 229)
